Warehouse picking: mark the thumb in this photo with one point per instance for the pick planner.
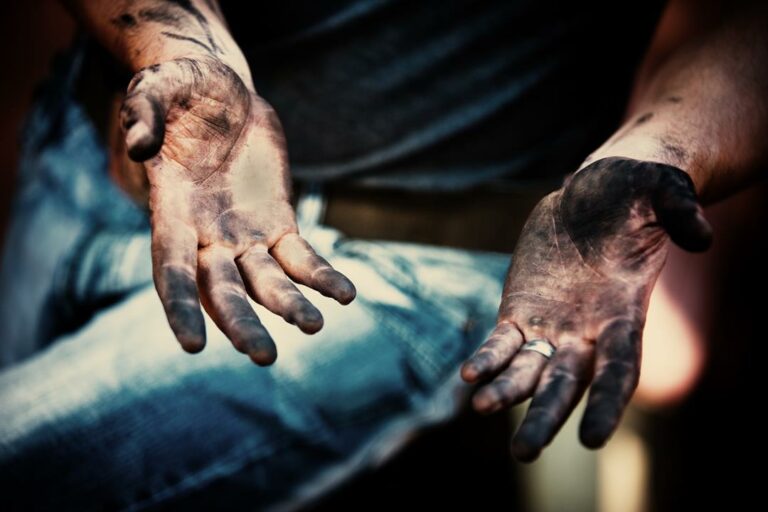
(681, 215)
(142, 115)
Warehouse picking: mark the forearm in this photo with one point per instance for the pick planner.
(141, 33)
(704, 108)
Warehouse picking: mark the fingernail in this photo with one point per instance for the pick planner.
(263, 357)
(469, 372)
(486, 401)
(310, 321)
(524, 453)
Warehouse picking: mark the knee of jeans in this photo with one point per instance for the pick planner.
(438, 302)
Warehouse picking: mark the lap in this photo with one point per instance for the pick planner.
(116, 416)
(118, 412)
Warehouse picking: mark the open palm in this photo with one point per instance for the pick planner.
(580, 278)
(222, 223)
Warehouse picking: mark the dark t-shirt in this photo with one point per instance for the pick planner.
(443, 94)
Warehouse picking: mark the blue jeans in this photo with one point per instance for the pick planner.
(101, 409)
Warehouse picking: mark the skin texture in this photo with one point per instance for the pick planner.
(581, 278)
(146, 32)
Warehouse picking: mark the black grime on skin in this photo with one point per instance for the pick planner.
(161, 15)
(179, 37)
(149, 146)
(165, 16)
(582, 272)
(630, 184)
(189, 7)
(124, 21)
(644, 118)
(674, 150)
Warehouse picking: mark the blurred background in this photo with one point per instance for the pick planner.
(694, 434)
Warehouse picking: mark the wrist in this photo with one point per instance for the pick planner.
(142, 33)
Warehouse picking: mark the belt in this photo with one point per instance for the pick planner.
(485, 219)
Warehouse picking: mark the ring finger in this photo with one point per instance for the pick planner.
(518, 381)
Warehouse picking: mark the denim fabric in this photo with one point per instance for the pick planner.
(101, 409)
(64, 198)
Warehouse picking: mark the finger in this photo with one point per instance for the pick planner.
(494, 354)
(142, 117)
(151, 93)
(562, 383)
(267, 283)
(514, 385)
(224, 298)
(304, 266)
(617, 371)
(685, 223)
(680, 214)
(174, 269)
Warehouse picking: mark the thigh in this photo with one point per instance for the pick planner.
(64, 197)
(119, 414)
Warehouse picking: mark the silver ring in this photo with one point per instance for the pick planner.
(540, 345)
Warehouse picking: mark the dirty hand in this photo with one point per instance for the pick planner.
(580, 280)
(222, 224)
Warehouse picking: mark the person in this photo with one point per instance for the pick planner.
(102, 411)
